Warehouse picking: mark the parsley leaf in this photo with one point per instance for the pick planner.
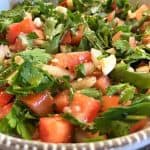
(80, 71)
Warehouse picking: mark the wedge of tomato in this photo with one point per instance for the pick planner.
(39, 103)
(84, 108)
(25, 26)
(61, 101)
(102, 83)
(109, 102)
(71, 60)
(55, 130)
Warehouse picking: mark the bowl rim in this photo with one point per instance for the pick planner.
(130, 139)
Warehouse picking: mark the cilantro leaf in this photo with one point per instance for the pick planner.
(16, 123)
(35, 56)
(125, 91)
(80, 71)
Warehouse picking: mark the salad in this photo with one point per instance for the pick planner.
(75, 72)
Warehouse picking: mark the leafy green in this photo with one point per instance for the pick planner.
(35, 56)
(138, 55)
(80, 71)
(92, 92)
(17, 122)
(125, 91)
(123, 48)
(73, 120)
(113, 128)
(51, 28)
(96, 139)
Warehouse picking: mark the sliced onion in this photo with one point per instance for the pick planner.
(84, 83)
(57, 71)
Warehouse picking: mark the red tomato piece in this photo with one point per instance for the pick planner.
(109, 102)
(71, 39)
(139, 125)
(139, 12)
(5, 110)
(55, 130)
(61, 101)
(84, 108)
(67, 4)
(25, 26)
(17, 46)
(78, 37)
(5, 98)
(71, 60)
(102, 83)
(39, 103)
(67, 38)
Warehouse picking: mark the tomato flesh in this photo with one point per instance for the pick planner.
(61, 101)
(39, 103)
(5, 98)
(5, 110)
(109, 102)
(55, 130)
(84, 108)
(25, 26)
(71, 60)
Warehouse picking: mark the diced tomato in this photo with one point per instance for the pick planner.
(84, 108)
(67, 38)
(139, 125)
(102, 83)
(117, 36)
(55, 130)
(71, 60)
(78, 37)
(67, 4)
(61, 101)
(39, 103)
(71, 39)
(146, 39)
(109, 102)
(5, 110)
(17, 46)
(111, 16)
(139, 12)
(5, 98)
(25, 26)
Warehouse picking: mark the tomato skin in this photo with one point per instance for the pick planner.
(5, 98)
(25, 26)
(103, 83)
(139, 12)
(66, 39)
(61, 101)
(78, 37)
(55, 130)
(39, 103)
(5, 110)
(139, 125)
(71, 60)
(109, 102)
(17, 46)
(84, 108)
(71, 39)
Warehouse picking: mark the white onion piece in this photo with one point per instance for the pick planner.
(84, 83)
(108, 64)
(57, 71)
